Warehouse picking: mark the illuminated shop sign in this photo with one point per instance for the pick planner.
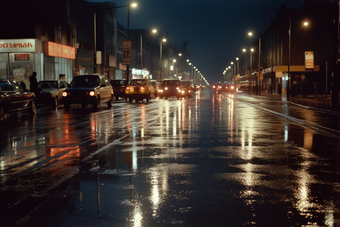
(21, 57)
(140, 72)
(60, 50)
(18, 45)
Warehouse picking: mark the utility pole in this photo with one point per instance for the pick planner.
(334, 97)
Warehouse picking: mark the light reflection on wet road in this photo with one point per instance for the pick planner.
(209, 161)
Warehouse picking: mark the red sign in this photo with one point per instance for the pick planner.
(21, 57)
(60, 50)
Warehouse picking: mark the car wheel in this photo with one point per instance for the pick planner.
(33, 108)
(117, 97)
(148, 99)
(109, 103)
(55, 102)
(67, 106)
(130, 100)
(96, 103)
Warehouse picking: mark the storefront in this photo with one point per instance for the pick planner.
(59, 59)
(19, 58)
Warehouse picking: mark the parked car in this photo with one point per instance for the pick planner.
(14, 98)
(119, 87)
(140, 89)
(155, 86)
(88, 89)
(51, 91)
(170, 88)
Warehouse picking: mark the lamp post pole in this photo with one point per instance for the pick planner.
(289, 52)
(259, 67)
(96, 67)
(128, 38)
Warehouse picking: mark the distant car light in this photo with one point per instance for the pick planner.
(127, 88)
(166, 88)
(232, 87)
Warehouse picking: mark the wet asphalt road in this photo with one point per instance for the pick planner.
(209, 161)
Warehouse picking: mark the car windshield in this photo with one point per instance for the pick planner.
(4, 86)
(137, 82)
(85, 81)
(48, 84)
(171, 83)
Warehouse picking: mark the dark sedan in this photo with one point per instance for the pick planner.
(88, 89)
(170, 88)
(51, 91)
(14, 98)
(119, 87)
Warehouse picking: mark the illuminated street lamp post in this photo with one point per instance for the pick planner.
(141, 48)
(160, 57)
(95, 33)
(259, 66)
(289, 53)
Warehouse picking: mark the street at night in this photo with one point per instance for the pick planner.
(211, 160)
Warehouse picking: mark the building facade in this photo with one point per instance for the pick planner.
(46, 44)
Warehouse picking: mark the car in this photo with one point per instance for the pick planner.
(140, 89)
(88, 89)
(226, 87)
(155, 85)
(185, 92)
(51, 91)
(170, 88)
(14, 98)
(119, 87)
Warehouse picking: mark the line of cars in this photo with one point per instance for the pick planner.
(87, 89)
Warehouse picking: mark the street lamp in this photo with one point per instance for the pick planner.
(141, 47)
(95, 33)
(160, 57)
(289, 53)
(259, 66)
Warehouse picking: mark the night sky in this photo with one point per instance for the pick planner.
(216, 30)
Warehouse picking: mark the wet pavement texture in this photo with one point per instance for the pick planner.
(209, 161)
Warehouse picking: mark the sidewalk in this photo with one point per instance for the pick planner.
(310, 102)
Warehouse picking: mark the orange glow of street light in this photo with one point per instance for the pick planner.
(154, 30)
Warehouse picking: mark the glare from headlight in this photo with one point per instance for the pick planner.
(64, 94)
(91, 93)
(166, 88)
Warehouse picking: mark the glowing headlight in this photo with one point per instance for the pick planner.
(64, 94)
(177, 88)
(92, 93)
(232, 87)
(166, 88)
(182, 92)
